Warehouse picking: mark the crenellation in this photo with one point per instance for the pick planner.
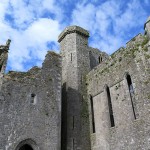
(73, 29)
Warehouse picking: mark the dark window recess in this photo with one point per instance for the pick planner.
(110, 107)
(100, 59)
(26, 147)
(131, 91)
(64, 116)
(32, 98)
(73, 144)
(92, 111)
(1, 66)
(71, 56)
(73, 122)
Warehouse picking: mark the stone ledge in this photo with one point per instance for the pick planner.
(73, 29)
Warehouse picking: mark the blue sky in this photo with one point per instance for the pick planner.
(34, 26)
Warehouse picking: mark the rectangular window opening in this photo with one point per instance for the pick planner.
(73, 122)
(71, 56)
(92, 113)
(131, 91)
(110, 108)
(73, 144)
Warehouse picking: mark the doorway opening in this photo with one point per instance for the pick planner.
(26, 147)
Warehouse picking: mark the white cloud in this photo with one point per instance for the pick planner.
(3, 8)
(32, 42)
(109, 22)
(84, 16)
(32, 25)
(28, 31)
(43, 30)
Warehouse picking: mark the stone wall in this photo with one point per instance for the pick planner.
(130, 112)
(105, 102)
(30, 107)
(3, 59)
(77, 60)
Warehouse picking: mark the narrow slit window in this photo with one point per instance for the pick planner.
(73, 144)
(92, 113)
(131, 91)
(112, 122)
(33, 97)
(71, 56)
(73, 122)
(1, 66)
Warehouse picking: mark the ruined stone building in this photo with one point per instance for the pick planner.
(80, 99)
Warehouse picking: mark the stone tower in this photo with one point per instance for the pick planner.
(75, 64)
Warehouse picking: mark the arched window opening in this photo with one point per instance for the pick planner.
(100, 59)
(130, 85)
(26, 147)
(131, 91)
(92, 113)
(112, 122)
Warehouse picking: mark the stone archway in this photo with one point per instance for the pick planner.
(26, 147)
(27, 144)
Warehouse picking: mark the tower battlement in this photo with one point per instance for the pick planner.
(73, 29)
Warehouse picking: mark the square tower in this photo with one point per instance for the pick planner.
(75, 65)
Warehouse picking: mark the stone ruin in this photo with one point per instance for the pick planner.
(80, 99)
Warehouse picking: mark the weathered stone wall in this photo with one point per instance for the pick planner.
(128, 132)
(77, 58)
(3, 59)
(96, 57)
(73, 47)
(100, 109)
(30, 107)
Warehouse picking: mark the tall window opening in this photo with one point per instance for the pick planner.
(100, 59)
(1, 66)
(131, 91)
(92, 113)
(110, 107)
(71, 56)
(26, 147)
(73, 122)
(73, 144)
